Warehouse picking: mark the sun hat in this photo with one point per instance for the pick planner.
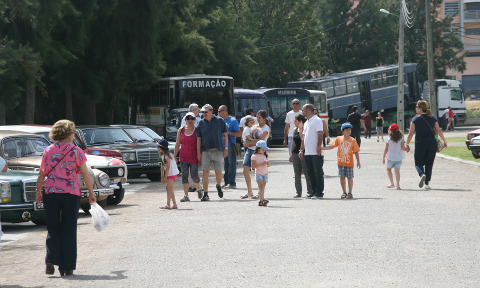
(190, 114)
(206, 108)
(262, 144)
(162, 143)
(393, 127)
(346, 125)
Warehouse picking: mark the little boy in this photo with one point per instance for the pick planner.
(347, 147)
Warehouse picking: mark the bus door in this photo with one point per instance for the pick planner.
(365, 95)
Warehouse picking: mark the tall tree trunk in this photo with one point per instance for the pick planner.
(2, 113)
(111, 117)
(68, 103)
(90, 111)
(30, 100)
(133, 109)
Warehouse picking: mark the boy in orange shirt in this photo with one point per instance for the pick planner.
(347, 147)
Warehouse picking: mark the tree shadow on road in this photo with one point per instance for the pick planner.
(118, 275)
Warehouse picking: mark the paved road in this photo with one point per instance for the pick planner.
(381, 238)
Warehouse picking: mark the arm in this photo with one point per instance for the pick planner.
(225, 139)
(88, 182)
(386, 150)
(383, 120)
(199, 149)
(404, 148)
(237, 133)
(327, 147)
(410, 134)
(440, 133)
(363, 123)
(177, 144)
(319, 142)
(40, 179)
(5, 168)
(358, 160)
(285, 134)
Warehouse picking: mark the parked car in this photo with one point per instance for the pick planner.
(17, 204)
(152, 134)
(174, 121)
(23, 151)
(106, 160)
(473, 143)
(141, 157)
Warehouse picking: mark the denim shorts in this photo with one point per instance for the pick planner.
(394, 164)
(344, 171)
(247, 158)
(263, 178)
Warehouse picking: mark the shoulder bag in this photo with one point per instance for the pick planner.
(236, 148)
(439, 143)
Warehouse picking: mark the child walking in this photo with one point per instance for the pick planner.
(260, 163)
(347, 146)
(169, 172)
(394, 154)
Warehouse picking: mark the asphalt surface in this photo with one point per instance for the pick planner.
(381, 238)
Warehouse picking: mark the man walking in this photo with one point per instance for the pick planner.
(355, 119)
(230, 162)
(290, 124)
(210, 149)
(311, 150)
(367, 121)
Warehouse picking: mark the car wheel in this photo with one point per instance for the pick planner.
(86, 207)
(39, 221)
(117, 197)
(154, 176)
(475, 155)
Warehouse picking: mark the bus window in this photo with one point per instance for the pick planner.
(391, 78)
(376, 81)
(328, 88)
(352, 85)
(340, 87)
(278, 107)
(256, 104)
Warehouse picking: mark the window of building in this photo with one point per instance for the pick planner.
(472, 31)
(451, 8)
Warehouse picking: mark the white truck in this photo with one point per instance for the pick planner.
(449, 93)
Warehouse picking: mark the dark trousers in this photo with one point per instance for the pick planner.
(314, 165)
(230, 167)
(356, 134)
(61, 211)
(368, 133)
(424, 158)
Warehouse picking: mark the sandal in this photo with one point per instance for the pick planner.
(244, 196)
(167, 207)
(254, 197)
(174, 206)
(344, 195)
(391, 186)
(349, 196)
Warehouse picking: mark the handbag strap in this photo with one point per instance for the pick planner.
(431, 129)
(46, 175)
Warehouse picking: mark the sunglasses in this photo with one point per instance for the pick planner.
(190, 118)
(296, 103)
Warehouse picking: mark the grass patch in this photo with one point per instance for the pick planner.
(455, 139)
(473, 109)
(459, 152)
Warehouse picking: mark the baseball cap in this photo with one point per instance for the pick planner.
(206, 108)
(162, 143)
(346, 125)
(393, 127)
(262, 144)
(190, 114)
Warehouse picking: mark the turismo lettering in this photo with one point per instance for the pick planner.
(204, 84)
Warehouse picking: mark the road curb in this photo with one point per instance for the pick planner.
(458, 160)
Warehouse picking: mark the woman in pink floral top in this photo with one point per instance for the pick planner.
(61, 163)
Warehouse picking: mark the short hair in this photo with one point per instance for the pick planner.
(223, 107)
(248, 111)
(301, 118)
(193, 107)
(61, 130)
(310, 107)
(354, 108)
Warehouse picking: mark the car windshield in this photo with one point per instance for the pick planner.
(151, 133)
(104, 136)
(24, 147)
(138, 135)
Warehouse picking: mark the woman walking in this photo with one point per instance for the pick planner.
(425, 127)
(259, 132)
(187, 139)
(61, 162)
(299, 164)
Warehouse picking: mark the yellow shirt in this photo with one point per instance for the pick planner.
(346, 148)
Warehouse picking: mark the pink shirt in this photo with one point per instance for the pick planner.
(260, 159)
(63, 178)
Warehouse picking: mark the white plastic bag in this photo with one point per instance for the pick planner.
(99, 216)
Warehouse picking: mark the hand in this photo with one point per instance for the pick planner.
(290, 159)
(164, 180)
(39, 197)
(445, 144)
(285, 142)
(225, 153)
(300, 155)
(91, 197)
(319, 150)
(199, 157)
(358, 165)
(383, 160)
(328, 140)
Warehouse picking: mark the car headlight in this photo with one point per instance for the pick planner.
(6, 193)
(120, 172)
(129, 157)
(104, 179)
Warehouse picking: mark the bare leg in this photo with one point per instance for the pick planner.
(350, 185)
(205, 180)
(397, 177)
(170, 190)
(343, 183)
(390, 175)
(261, 190)
(185, 188)
(218, 177)
(248, 180)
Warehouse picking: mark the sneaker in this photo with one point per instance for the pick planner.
(422, 180)
(192, 189)
(200, 193)
(225, 186)
(297, 196)
(309, 196)
(230, 186)
(185, 199)
(317, 197)
(427, 187)
(219, 190)
(205, 198)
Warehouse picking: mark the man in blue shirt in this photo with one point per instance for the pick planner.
(211, 135)
(230, 162)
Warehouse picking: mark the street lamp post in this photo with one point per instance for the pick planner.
(401, 74)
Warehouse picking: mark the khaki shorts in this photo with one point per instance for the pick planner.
(212, 158)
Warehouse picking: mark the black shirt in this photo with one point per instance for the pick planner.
(297, 141)
(354, 119)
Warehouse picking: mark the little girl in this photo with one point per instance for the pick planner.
(170, 168)
(247, 131)
(394, 148)
(260, 163)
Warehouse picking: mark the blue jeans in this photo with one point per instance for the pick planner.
(314, 165)
(230, 167)
(289, 141)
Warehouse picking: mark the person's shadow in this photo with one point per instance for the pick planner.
(118, 275)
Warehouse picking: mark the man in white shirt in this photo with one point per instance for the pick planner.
(311, 150)
(290, 124)
(192, 108)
